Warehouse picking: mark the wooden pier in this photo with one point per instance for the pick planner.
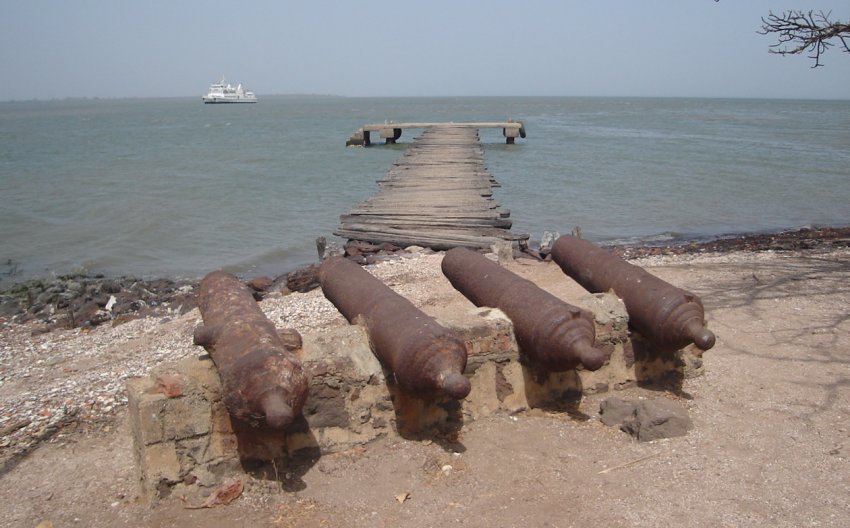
(437, 195)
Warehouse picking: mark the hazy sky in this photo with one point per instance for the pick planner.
(152, 48)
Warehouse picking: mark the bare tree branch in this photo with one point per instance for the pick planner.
(799, 31)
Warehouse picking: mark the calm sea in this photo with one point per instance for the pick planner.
(175, 188)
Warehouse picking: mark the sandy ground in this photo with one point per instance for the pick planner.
(770, 446)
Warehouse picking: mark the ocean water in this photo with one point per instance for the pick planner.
(176, 188)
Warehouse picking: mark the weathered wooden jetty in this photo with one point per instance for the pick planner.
(438, 195)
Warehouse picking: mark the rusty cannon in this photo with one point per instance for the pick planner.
(556, 334)
(669, 317)
(425, 358)
(262, 379)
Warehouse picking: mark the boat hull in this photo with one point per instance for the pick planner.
(228, 101)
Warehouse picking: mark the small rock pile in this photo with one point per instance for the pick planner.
(80, 301)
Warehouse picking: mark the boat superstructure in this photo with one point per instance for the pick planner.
(222, 92)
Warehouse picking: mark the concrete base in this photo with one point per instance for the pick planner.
(185, 441)
(360, 138)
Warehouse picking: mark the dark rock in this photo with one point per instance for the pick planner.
(352, 252)
(303, 279)
(10, 307)
(356, 247)
(325, 406)
(163, 285)
(73, 288)
(260, 284)
(615, 411)
(89, 313)
(359, 259)
(101, 300)
(646, 420)
(49, 296)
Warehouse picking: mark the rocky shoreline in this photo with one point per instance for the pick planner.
(794, 240)
(82, 301)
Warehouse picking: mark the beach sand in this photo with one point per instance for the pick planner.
(770, 444)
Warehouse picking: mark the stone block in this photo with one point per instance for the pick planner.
(185, 418)
(483, 399)
(515, 376)
(147, 411)
(161, 463)
(222, 445)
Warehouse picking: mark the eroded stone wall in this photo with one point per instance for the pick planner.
(185, 440)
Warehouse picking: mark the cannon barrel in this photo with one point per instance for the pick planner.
(556, 334)
(262, 379)
(424, 357)
(669, 317)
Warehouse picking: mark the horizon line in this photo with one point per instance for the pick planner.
(337, 96)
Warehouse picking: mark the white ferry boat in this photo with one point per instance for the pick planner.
(227, 93)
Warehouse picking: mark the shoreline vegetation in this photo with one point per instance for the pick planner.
(87, 301)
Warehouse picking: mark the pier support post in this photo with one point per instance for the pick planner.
(510, 135)
(390, 135)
